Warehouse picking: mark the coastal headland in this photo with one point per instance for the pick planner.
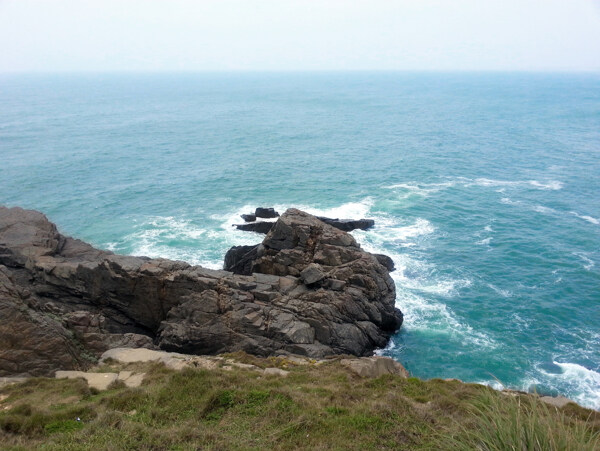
(307, 289)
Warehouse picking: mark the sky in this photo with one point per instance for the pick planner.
(287, 35)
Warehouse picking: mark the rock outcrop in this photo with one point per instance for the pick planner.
(348, 225)
(308, 289)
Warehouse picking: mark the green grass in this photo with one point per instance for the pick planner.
(315, 407)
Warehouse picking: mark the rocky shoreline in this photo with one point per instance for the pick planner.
(307, 289)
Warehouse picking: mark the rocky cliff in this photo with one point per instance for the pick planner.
(307, 289)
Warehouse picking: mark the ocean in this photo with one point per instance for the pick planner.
(485, 189)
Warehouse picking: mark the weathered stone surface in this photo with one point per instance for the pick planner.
(131, 379)
(374, 366)
(261, 212)
(102, 381)
(65, 302)
(4, 381)
(172, 360)
(556, 401)
(99, 381)
(258, 227)
(249, 217)
(313, 273)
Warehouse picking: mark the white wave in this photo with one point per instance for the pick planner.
(416, 283)
(426, 315)
(589, 219)
(551, 185)
(405, 232)
(583, 383)
(509, 201)
(588, 263)
(517, 319)
(500, 291)
(488, 228)
(548, 185)
(353, 210)
(420, 189)
(492, 383)
(485, 241)
(491, 182)
(391, 231)
(544, 210)
(182, 239)
(383, 351)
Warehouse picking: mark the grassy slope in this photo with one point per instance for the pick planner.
(315, 407)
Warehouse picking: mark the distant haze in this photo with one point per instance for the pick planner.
(180, 35)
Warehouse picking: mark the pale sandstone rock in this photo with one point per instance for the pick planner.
(374, 366)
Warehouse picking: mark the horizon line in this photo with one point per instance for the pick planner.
(291, 71)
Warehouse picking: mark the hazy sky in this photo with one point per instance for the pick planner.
(63, 35)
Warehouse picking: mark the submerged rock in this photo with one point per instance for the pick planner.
(63, 303)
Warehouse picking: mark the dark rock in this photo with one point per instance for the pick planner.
(347, 225)
(386, 261)
(258, 227)
(239, 259)
(249, 217)
(32, 342)
(312, 273)
(336, 285)
(62, 302)
(265, 213)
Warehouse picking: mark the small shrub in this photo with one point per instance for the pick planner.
(218, 404)
(127, 400)
(63, 426)
(22, 409)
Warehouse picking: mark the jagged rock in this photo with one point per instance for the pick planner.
(239, 259)
(386, 261)
(249, 217)
(265, 213)
(258, 227)
(32, 342)
(62, 302)
(347, 225)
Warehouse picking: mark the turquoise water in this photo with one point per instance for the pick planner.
(485, 189)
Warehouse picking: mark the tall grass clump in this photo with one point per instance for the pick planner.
(502, 422)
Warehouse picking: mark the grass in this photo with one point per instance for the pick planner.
(315, 407)
(525, 423)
